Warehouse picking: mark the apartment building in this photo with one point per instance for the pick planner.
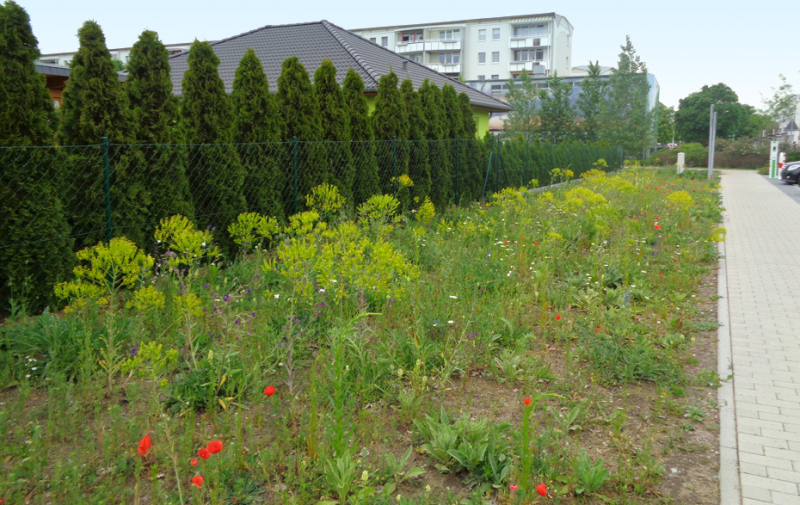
(122, 54)
(485, 52)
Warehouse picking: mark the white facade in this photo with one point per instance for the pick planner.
(122, 54)
(486, 53)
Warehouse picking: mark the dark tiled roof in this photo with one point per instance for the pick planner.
(313, 42)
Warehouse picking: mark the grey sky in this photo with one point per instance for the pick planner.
(686, 44)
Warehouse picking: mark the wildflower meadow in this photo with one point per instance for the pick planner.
(548, 345)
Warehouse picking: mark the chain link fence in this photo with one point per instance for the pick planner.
(58, 200)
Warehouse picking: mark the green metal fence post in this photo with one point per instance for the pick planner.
(527, 161)
(394, 164)
(486, 178)
(107, 190)
(294, 171)
(457, 142)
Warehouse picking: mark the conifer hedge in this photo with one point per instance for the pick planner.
(31, 210)
(365, 164)
(335, 122)
(154, 112)
(215, 173)
(418, 163)
(389, 121)
(256, 121)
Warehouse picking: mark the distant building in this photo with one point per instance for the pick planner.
(484, 52)
(55, 80)
(122, 54)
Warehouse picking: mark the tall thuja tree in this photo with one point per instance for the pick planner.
(257, 129)
(154, 111)
(362, 147)
(94, 106)
(390, 121)
(453, 129)
(471, 152)
(216, 175)
(437, 129)
(335, 128)
(556, 117)
(297, 105)
(625, 116)
(418, 163)
(593, 91)
(33, 215)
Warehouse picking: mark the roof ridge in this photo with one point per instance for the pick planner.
(352, 52)
(214, 43)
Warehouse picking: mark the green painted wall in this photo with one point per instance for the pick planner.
(481, 116)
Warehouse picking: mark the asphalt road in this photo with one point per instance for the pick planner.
(792, 190)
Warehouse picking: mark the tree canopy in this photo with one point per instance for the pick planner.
(693, 114)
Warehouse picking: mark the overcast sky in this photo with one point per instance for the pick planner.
(686, 44)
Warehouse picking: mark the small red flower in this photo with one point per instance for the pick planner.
(144, 445)
(647, 187)
(536, 243)
(203, 453)
(657, 227)
(541, 489)
(505, 241)
(641, 195)
(598, 328)
(214, 446)
(558, 317)
(197, 480)
(270, 390)
(512, 487)
(527, 400)
(194, 462)
(658, 218)
(674, 261)
(655, 189)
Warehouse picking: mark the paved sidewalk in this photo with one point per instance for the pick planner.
(761, 310)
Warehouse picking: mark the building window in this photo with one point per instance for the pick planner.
(496, 57)
(412, 36)
(449, 34)
(416, 58)
(481, 34)
(496, 77)
(530, 31)
(481, 77)
(385, 41)
(372, 39)
(481, 57)
(449, 58)
(52, 61)
(495, 33)
(529, 55)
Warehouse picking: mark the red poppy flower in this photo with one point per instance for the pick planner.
(214, 446)
(658, 218)
(512, 487)
(144, 445)
(194, 462)
(527, 400)
(536, 243)
(674, 261)
(541, 489)
(270, 390)
(197, 480)
(203, 453)
(657, 227)
(647, 187)
(641, 195)
(598, 328)
(505, 241)
(558, 317)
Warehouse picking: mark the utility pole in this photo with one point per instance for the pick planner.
(712, 135)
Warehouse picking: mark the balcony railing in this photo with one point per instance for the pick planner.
(524, 42)
(443, 45)
(521, 66)
(409, 47)
(445, 69)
